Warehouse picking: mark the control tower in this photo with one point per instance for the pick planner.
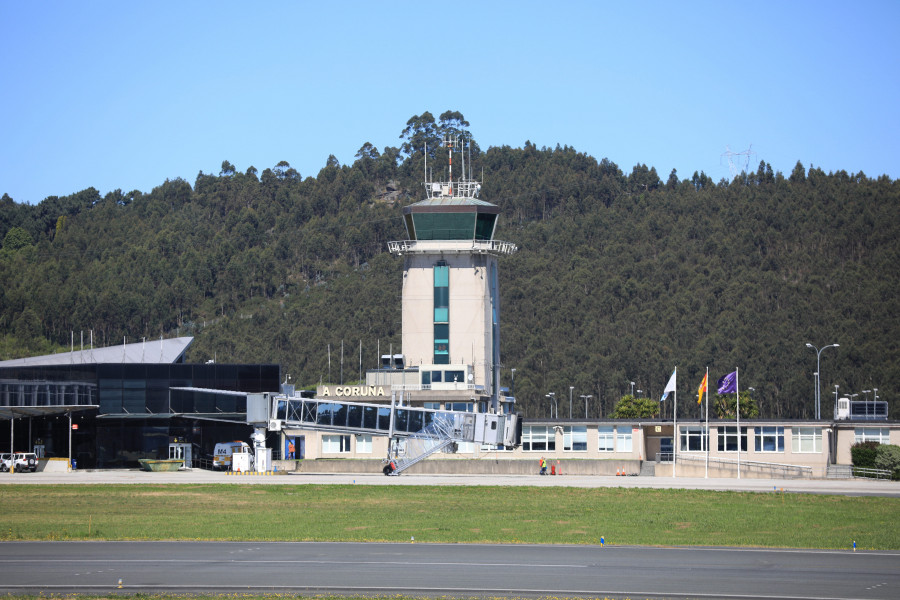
(451, 297)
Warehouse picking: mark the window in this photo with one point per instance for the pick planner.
(335, 444)
(575, 438)
(364, 444)
(623, 439)
(465, 447)
(538, 438)
(441, 314)
(692, 439)
(806, 440)
(455, 377)
(769, 439)
(441, 348)
(728, 439)
(461, 406)
(881, 435)
(432, 405)
(607, 439)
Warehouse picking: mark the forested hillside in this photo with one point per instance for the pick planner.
(620, 276)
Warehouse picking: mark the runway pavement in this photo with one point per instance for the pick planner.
(445, 570)
(845, 487)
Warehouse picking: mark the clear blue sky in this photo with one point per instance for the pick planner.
(129, 94)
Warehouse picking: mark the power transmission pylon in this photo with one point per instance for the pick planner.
(743, 160)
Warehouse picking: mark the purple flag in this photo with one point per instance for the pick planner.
(728, 384)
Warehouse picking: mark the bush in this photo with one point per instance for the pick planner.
(888, 457)
(863, 454)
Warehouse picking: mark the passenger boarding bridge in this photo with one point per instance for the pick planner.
(426, 430)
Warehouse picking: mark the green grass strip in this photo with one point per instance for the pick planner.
(454, 514)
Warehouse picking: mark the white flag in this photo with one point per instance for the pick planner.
(670, 387)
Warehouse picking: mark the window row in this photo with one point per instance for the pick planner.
(340, 444)
(542, 438)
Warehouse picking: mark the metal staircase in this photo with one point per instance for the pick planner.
(441, 433)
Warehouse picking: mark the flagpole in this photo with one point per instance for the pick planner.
(675, 427)
(737, 395)
(706, 439)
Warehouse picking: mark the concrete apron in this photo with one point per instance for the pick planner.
(466, 466)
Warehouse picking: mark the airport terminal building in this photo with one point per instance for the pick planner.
(109, 407)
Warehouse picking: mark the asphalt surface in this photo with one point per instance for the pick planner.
(845, 487)
(454, 570)
(449, 570)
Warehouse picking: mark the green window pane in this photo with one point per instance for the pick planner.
(441, 276)
(441, 315)
(484, 228)
(441, 297)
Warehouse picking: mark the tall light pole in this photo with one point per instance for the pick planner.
(819, 373)
(571, 387)
(586, 398)
(632, 389)
(835, 399)
(552, 396)
(874, 402)
(513, 385)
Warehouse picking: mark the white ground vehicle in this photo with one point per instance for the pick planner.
(223, 451)
(24, 461)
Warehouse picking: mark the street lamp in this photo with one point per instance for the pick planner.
(513, 385)
(571, 387)
(836, 386)
(632, 388)
(586, 398)
(818, 373)
(552, 396)
(640, 392)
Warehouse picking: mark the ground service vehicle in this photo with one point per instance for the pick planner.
(26, 461)
(5, 462)
(223, 451)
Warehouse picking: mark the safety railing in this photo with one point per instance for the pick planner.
(778, 470)
(871, 473)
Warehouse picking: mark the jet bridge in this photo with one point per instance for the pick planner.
(426, 430)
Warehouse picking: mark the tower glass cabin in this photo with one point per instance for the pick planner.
(451, 298)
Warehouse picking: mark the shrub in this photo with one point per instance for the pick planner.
(863, 454)
(888, 457)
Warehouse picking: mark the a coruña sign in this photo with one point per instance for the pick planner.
(352, 391)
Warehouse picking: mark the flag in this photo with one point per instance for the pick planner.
(702, 389)
(670, 387)
(728, 384)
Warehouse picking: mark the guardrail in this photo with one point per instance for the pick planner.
(470, 246)
(871, 473)
(772, 469)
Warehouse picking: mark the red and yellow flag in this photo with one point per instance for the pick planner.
(702, 389)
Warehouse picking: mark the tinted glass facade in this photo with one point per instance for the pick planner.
(139, 407)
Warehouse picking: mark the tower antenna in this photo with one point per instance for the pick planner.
(743, 160)
(449, 141)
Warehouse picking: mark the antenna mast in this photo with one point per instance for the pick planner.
(448, 142)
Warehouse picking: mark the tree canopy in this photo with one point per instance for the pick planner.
(620, 276)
